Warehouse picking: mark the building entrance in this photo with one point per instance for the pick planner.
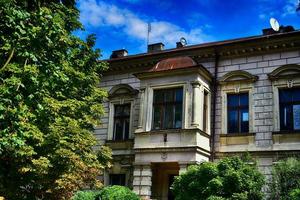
(163, 175)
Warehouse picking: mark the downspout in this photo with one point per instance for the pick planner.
(214, 105)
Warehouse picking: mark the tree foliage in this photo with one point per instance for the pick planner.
(86, 195)
(117, 192)
(285, 183)
(229, 179)
(49, 101)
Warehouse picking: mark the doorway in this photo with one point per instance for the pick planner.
(163, 175)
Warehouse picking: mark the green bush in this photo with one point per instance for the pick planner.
(295, 194)
(117, 192)
(285, 180)
(230, 179)
(86, 195)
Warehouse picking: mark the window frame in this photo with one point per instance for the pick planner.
(119, 174)
(111, 122)
(236, 89)
(237, 108)
(122, 117)
(206, 107)
(148, 103)
(163, 106)
(290, 103)
(278, 85)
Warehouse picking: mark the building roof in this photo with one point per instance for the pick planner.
(211, 44)
(247, 46)
(173, 63)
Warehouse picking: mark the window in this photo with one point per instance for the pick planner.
(238, 113)
(117, 179)
(289, 100)
(121, 122)
(205, 111)
(167, 108)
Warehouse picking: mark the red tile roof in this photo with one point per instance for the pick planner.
(173, 63)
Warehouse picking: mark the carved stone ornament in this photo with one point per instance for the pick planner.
(237, 76)
(285, 72)
(122, 90)
(164, 156)
(237, 88)
(290, 83)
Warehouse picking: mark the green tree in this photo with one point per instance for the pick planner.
(49, 101)
(229, 179)
(285, 183)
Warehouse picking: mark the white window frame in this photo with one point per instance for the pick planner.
(112, 104)
(237, 88)
(276, 85)
(208, 117)
(149, 114)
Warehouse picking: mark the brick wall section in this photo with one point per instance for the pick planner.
(107, 82)
(259, 65)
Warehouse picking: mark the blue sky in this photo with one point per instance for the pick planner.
(123, 23)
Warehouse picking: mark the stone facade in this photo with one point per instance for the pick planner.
(258, 66)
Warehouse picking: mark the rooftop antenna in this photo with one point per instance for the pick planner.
(274, 24)
(148, 32)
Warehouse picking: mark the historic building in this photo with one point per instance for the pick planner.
(167, 109)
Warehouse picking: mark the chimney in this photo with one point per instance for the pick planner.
(179, 45)
(155, 47)
(119, 53)
(282, 29)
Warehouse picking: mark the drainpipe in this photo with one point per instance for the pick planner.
(214, 105)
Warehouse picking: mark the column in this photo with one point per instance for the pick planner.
(182, 168)
(141, 112)
(195, 104)
(142, 182)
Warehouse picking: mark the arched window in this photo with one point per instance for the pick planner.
(121, 98)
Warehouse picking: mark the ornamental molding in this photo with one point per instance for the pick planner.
(289, 71)
(238, 76)
(122, 90)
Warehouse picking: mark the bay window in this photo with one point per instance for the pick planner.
(167, 108)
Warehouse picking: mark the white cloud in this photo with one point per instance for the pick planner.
(290, 7)
(97, 14)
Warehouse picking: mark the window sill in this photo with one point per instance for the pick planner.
(120, 144)
(237, 139)
(237, 134)
(170, 131)
(286, 132)
(286, 137)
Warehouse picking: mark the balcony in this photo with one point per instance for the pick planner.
(172, 139)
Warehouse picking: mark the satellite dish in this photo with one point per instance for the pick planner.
(183, 41)
(274, 24)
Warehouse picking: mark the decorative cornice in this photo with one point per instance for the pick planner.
(191, 70)
(257, 45)
(237, 76)
(121, 90)
(284, 72)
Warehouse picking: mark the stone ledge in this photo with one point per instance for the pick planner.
(170, 131)
(237, 139)
(120, 144)
(286, 137)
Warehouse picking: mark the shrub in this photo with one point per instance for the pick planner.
(230, 179)
(117, 192)
(285, 179)
(86, 195)
(295, 194)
